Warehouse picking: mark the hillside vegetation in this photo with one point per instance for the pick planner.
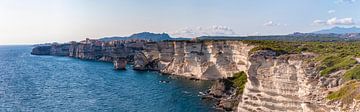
(347, 93)
(333, 56)
(239, 80)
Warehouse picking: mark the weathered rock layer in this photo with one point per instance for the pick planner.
(200, 60)
(280, 83)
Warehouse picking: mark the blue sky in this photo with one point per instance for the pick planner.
(38, 21)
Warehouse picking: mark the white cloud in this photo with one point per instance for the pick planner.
(319, 22)
(343, 21)
(271, 23)
(345, 1)
(204, 31)
(335, 21)
(331, 11)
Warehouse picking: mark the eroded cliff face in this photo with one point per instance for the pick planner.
(119, 52)
(41, 50)
(276, 82)
(54, 49)
(281, 83)
(207, 60)
(291, 83)
(106, 51)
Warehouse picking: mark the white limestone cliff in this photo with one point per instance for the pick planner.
(285, 83)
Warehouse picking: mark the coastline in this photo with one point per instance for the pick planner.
(264, 68)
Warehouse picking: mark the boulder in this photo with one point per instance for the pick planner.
(120, 64)
(140, 61)
(221, 88)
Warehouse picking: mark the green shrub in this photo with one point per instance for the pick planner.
(346, 93)
(354, 73)
(239, 80)
(334, 63)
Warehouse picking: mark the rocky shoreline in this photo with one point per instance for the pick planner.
(224, 93)
(205, 60)
(274, 81)
(154, 56)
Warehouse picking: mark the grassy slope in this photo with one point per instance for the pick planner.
(352, 74)
(346, 93)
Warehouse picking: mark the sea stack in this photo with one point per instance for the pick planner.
(120, 64)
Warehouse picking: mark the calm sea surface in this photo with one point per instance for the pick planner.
(62, 84)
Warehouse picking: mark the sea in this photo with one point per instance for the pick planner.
(30, 83)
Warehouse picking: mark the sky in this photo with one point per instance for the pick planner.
(40, 21)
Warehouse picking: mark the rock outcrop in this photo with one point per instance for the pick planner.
(224, 93)
(41, 50)
(281, 83)
(60, 50)
(54, 49)
(120, 52)
(120, 64)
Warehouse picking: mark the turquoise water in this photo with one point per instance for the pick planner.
(58, 84)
